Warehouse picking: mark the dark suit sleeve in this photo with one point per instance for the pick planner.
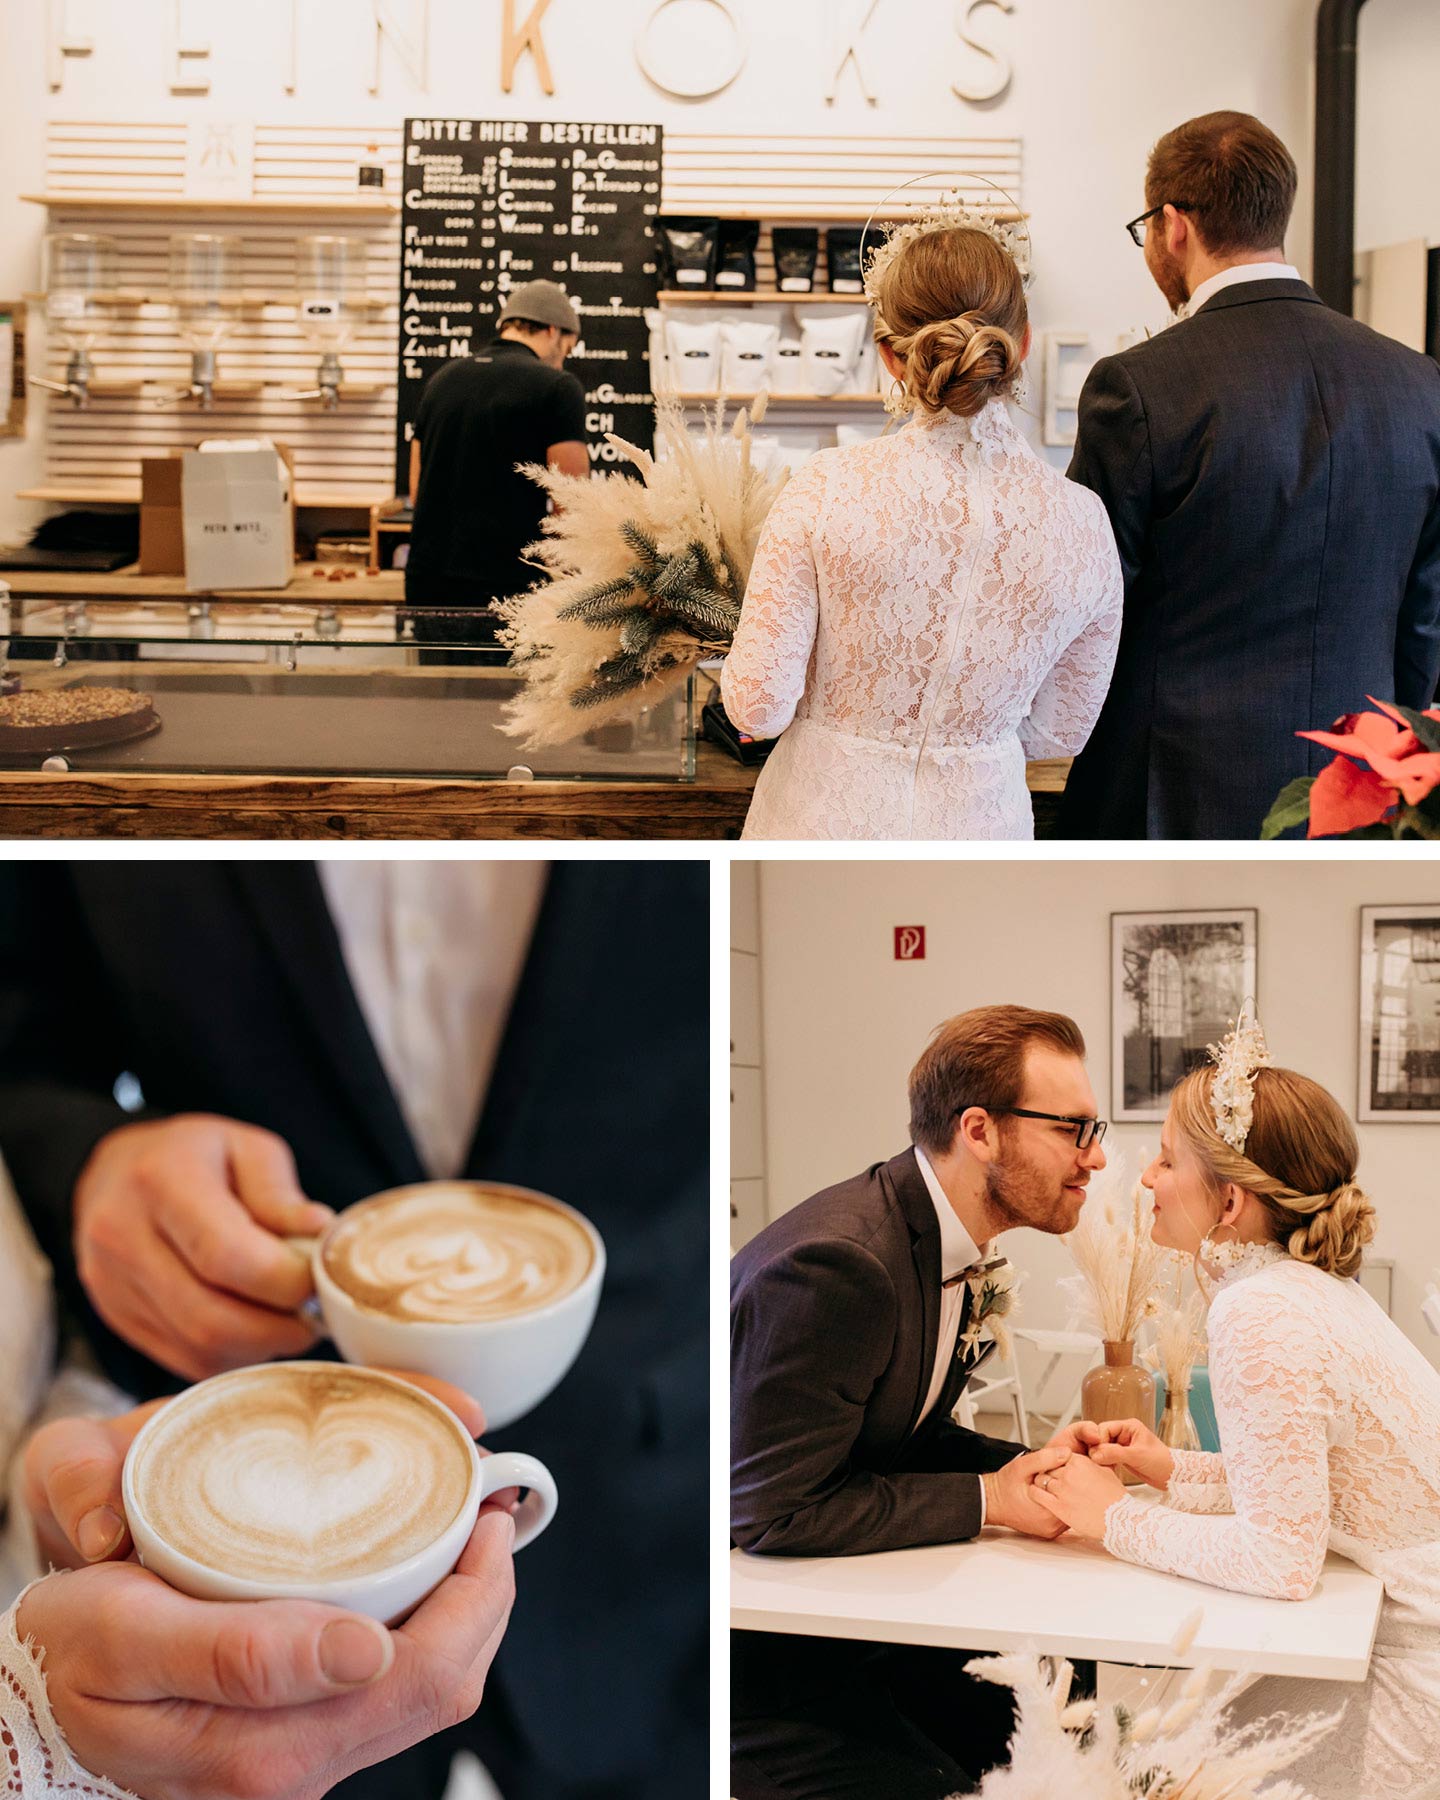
(811, 1331)
(1112, 457)
(945, 1447)
(59, 1055)
(1417, 634)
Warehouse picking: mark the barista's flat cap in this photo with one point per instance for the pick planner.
(542, 303)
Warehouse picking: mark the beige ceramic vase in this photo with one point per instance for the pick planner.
(1119, 1389)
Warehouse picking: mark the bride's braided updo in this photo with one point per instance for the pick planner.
(1299, 1162)
(951, 306)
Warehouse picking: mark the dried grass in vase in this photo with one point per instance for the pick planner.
(645, 577)
(1119, 1266)
(1183, 1749)
(1179, 1343)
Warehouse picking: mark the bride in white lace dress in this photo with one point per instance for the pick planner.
(1329, 1419)
(927, 610)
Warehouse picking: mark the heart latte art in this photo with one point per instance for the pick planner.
(457, 1253)
(302, 1475)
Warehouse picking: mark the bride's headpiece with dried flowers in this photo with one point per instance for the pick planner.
(950, 213)
(1237, 1057)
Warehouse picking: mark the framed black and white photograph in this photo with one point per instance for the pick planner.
(1178, 979)
(1400, 1014)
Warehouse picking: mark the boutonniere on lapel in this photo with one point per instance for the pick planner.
(993, 1286)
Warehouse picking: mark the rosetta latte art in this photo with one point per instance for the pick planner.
(456, 1254)
(292, 1475)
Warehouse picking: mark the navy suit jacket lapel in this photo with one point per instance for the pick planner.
(288, 904)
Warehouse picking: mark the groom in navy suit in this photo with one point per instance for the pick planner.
(1272, 472)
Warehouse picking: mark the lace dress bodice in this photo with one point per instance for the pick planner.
(1329, 1422)
(924, 612)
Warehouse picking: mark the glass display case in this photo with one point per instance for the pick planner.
(323, 690)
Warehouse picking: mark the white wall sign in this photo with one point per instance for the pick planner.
(182, 59)
(59, 43)
(846, 32)
(1003, 73)
(691, 49)
(696, 72)
(411, 40)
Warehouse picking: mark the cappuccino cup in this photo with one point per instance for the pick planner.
(315, 1481)
(491, 1287)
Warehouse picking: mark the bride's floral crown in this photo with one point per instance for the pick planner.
(1237, 1058)
(951, 214)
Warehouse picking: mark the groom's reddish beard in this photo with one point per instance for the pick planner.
(1168, 273)
(1020, 1194)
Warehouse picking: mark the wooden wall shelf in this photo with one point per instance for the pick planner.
(755, 297)
(127, 493)
(781, 399)
(366, 207)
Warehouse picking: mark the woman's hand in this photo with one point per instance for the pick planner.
(1134, 1445)
(185, 1699)
(1079, 1494)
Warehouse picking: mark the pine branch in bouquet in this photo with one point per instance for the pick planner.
(644, 579)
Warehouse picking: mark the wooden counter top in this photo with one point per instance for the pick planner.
(385, 589)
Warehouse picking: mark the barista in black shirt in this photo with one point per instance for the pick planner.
(480, 416)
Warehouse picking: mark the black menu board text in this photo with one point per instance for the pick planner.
(492, 203)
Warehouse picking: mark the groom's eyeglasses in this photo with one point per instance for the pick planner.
(1087, 1131)
(1138, 227)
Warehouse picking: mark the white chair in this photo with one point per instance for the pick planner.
(1056, 1346)
(996, 1377)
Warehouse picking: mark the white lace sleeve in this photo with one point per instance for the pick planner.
(765, 670)
(1063, 712)
(1198, 1483)
(1274, 1412)
(34, 1757)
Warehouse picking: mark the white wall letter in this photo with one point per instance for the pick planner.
(59, 44)
(517, 41)
(844, 47)
(1003, 75)
(181, 58)
(673, 77)
(411, 46)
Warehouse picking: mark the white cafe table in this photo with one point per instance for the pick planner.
(1006, 1592)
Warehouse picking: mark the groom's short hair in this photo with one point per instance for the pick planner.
(1236, 179)
(978, 1059)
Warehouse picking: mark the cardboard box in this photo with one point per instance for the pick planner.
(162, 541)
(239, 519)
(228, 558)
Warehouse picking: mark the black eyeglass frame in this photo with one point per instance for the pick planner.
(1137, 237)
(1087, 1131)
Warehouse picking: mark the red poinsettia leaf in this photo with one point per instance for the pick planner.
(1345, 797)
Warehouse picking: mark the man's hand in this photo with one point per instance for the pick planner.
(71, 1478)
(1009, 1496)
(179, 1240)
(185, 1699)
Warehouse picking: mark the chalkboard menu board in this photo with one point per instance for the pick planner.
(492, 203)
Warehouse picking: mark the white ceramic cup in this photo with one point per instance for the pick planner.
(385, 1594)
(508, 1365)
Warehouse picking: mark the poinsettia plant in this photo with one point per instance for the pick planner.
(1383, 783)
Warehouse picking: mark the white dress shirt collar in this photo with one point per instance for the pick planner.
(1228, 278)
(958, 1250)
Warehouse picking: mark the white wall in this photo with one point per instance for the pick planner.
(1096, 82)
(844, 1021)
(1397, 193)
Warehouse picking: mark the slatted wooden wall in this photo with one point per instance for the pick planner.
(305, 182)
